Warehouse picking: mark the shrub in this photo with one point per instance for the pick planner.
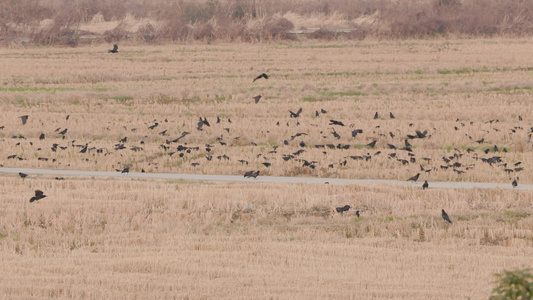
(516, 284)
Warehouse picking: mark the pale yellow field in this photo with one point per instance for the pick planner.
(138, 239)
(135, 239)
(425, 84)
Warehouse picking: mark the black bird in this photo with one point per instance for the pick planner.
(445, 217)
(357, 213)
(114, 50)
(343, 209)
(38, 195)
(333, 122)
(41, 137)
(425, 185)
(153, 126)
(248, 174)
(514, 183)
(414, 178)
(23, 175)
(262, 75)
(60, 178)
(391, 115)
(125, 170)
(254, 174)
(371, 145)
(297, 114)
(357, 131)
(376, 115)
(256, 98)
(24, 119)
(63, 132)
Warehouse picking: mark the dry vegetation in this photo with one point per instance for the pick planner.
(68, 22)
(166, 240)
(459, 91)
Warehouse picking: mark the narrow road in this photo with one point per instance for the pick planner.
(269, 179)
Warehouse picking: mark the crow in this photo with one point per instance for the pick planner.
(297, 114)
(114, 50)
(41, 137)
(24, 119)
(125, 170)
(425, 185)
(343, 209)
(63, 132)
(256, 98)
(357, 131)
(254, 174)
(23, 175)
(414, 178)
(514, 183)
(248, 174)
(262, 75)
(357, 213)
(371, 145)
(445, 217)
(38, 195)
(153, 126)
(391, 115)
(376, 115)
(333, 122)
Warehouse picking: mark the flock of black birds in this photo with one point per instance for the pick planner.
(452, 162)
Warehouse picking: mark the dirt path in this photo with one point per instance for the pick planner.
(270, 179)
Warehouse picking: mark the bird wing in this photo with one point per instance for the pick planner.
(38, 193)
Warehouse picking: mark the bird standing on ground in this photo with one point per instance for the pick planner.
(38, 195)
(414, 178)
(445, 217)
(24, 119)
(23, 175)
(357, 213)
(514, 183)
(114, 50)
(425, 185)
(342, 209)
(256, 98)
(262, 75)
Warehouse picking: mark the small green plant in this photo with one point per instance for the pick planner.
(516, 284)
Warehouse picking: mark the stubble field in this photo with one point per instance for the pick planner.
(143, 239)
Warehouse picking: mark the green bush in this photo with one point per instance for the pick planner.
(514, 285)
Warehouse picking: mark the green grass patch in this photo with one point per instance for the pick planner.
(33, 89)
(121, 98)
(462, 71)
(444, 71)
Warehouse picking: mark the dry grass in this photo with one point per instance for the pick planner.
(428, 85)
(164, 239)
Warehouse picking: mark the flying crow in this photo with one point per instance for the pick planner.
(38, 195)
(262, 75)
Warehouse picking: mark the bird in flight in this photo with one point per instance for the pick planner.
(414, 178)
(297, 114)
(262, 75)
(256, 98)
(333, 122)
(38, 195)
(115, 49)
(342, 209)
(24, 119)
(445, 217)
(425, 185)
